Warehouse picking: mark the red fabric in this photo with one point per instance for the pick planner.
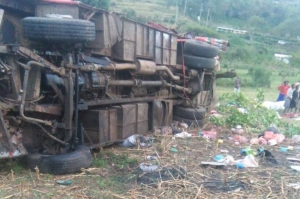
(283, 89)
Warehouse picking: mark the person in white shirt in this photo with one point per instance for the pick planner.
(288, 97)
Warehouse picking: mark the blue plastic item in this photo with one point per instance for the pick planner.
(260, 150)
(240, 165)
(219, 158)
(283, 149)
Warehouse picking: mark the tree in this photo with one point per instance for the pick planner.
(104, 4)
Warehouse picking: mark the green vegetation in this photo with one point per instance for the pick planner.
(119, 161)
(266, 22)
(257, 117)
(104, 4)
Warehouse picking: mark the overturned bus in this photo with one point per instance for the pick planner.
(74, 77)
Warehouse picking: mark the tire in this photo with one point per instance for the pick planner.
(199, 49)
(188, 121)
(199, 62)
(55, 29)
(189, 113)
(63, 163)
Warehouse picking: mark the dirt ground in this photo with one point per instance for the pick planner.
(115, 173)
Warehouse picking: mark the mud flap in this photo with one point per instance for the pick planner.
(162, 113)
(10, 142)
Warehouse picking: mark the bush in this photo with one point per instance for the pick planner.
(129, 13)
(260, 77)
(257, 117)
(199, 30)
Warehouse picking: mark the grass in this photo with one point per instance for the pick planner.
(271, 94)
(120, 161)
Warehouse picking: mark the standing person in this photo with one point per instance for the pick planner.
(288, 97)
(294, 98)
(283, 88)
(237, 85)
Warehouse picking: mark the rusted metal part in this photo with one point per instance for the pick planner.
(49, 134)
(134, 83)
(144, 67)
(161, 27)
(5, 135)
(99, 125)
(192, 73)
(180, 88)
(57, 91)
(10, 141)
(49, 108)
(162, 112)
(208, 94)
(127, 100)
(29, 54)
(107, 126)
(119, 66)
(34, 83)
(13, 119)
(168, 71)
(69, 106)
(127, 40)
(27, 68)
(15, 78)
(132, 119)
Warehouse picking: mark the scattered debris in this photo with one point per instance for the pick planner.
(297, 168)
(274, 105)
(220, 141)
(64, 182)
(183, 135)
(254, 141)
(240, 165)
(173, 149)
(237, 130)
(247, 151)
(293, 160)
(283, 149)
(242, 110)
(209, 134)
(272, 142)
(134, 140)
(290, 148)
(149, 157)
(294, 185)
(267, 155)
(224, 151)
(219, 158)
(240, 139)
(166, 130)
(217, 164)
(148, 167)
(248, 161)
(296, 139)
(262, 141)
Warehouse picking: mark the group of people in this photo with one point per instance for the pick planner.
(290, 96)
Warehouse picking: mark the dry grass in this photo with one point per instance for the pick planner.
(111, 181)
